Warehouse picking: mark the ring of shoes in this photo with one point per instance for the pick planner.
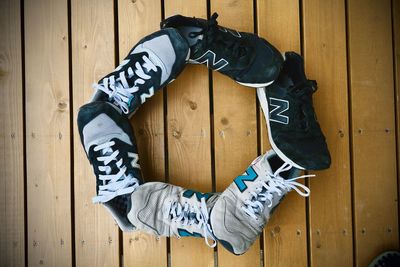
(235, 217)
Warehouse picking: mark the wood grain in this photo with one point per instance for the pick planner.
(373, 120)
(47, 133)
(189, 148)
(137, 19)
(396, 37)
(92, 27)
(235, 122)
(330, 202)
(12, 231)
(285, 235)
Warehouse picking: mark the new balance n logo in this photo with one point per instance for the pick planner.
(250, 175)
(144, 96)
(189, 193)
(208, 58)
(135, 160)
(277, 108)
(183, 232)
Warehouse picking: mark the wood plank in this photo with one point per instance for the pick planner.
(189, 144)
(235, 129)
(373, 122)
(96, 233)
(330, 201)
(12, 243)
(137, 19)
(48, 133)
(285, 235)
(396, 37)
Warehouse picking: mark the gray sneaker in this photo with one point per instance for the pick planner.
(242, 210)
(168, 210)
(153, 62)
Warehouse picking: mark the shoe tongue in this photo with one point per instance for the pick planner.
(276, 162)
(192, 34)
(262, 163)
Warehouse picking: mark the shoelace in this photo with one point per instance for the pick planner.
(113, 184)
(190, 215)
(273, 183)
(306, 116)
(235, 48)
(118, 89)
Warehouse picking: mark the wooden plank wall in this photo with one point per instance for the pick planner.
(330, 217)
(92, 42)
(148, 124)
(48, 133)
(373, 124)
(12, 230)
(285, 236)
(53, 50)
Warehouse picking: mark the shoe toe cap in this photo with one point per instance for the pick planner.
(311, 154)
(266, 65)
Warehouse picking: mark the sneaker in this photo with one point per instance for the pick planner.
(109, 143)
(293, 130)
(163, 209)
(153, 62)
(244, 57)
(386, 259)
(242, 210)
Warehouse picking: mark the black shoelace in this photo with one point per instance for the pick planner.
(212, 34)
(305, 118)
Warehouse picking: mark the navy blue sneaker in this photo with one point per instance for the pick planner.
(386, 259)
(293, 129)
(109, 143)
(244, 57)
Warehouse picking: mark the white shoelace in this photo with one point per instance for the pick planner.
(115, 186)
(118, 88)
(274, 183)
(190, 215)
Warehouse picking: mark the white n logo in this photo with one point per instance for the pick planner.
(135, 160)
(278, 107)
(208, 57)
(144, 96)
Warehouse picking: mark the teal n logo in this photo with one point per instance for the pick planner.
(189, 193)
(183, 232)
(250, 175)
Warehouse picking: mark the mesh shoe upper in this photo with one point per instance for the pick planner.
(245, 57)
(386, 259)
(294, 131)
(108, 140)
(167, 210)
(242, 210)
(152, 63)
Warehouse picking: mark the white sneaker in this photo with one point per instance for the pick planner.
(168, 210)
(241, 211)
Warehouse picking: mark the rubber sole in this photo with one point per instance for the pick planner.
(255, 85)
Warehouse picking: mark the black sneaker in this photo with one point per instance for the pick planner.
(109, 143)
(386, 259)
(245, 57)
(293, 129)
(153, 62)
